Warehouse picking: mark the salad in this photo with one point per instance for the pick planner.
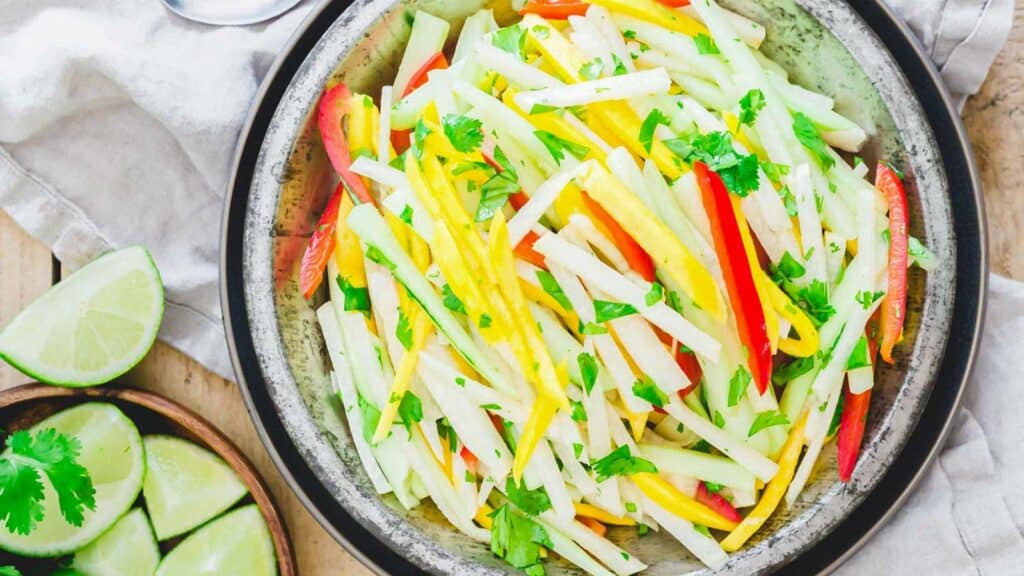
(603, 269)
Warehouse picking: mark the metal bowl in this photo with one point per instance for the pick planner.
(857, 53)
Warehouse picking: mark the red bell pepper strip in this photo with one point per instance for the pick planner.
(637, 258)
(555, 9)
(321, 246)
(333, 108)
(894, 307)
(674, 3)
(739, 280)
(687, 362)
(854, 418)
(419, 77)
(717, 502)
(525, 250)
(470, 459)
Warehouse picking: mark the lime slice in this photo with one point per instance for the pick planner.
(112, 453)
(127, 549)
(185, 485)
(236, 543)
(93, 326)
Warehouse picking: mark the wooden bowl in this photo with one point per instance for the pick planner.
(23, 406)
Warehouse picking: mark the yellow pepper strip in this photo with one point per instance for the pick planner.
(616, 118)
(773, 494)
(670, 498)
(771, 319)
(483, 516)
(625, 124)
(421, 326)
(543, 412)
(808, 343)
(601, 515)
(541, 366)
(655, 13)
(655, 237)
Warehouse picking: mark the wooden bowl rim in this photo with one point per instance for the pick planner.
(210, 437)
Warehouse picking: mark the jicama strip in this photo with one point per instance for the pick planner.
(739, 451)
(441, 491)
(473, 29)
(604, 550)
(703, 547)
(650, 355)
(585, 230)
(617, 286)
(641, 83)
(603, 25)
(531, 212)
(810, 224)
(515, 70)
(750, 31)
(861, 380)
(699, 465)
(543, 470)
(565, 547)
(467, 418)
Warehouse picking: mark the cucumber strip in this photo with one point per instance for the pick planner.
(570, 551)
(426, 39)
(708, 467)
(368, 224)
(473, 29)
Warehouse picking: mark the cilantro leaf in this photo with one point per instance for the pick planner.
(578, 413)
(859, 357)
(464, 132)
(837, 416)
(866, 299)
(604, 310)
(532, 502)
(588, 370)
(472, 166)
(705, 45)
(553, 288)
(373, 254)
(739, 172)
(767, 420)
(557, 146)
(719, 420)
(371, 416)
(645, 388)
(592, 328)
(620, 67)
(577, 449)
(511, 39)
(485, 321)
(406, 215)
(517, 539)
(809, 136)
(738, 385)
(21, 489)
(712, 487)
(788, 200)
(788, 268)
(451, 301)
(419, 136)
(785, 373)
(403, 331)
(774, 171)
(355, 298)
(620, 462)
(592, 70)
(650, 124)
(654, 295)
(445, 430)
(494, 193)
(815, 301)
(540, 31)
(750, 106)
(410, 409)
(9, 571)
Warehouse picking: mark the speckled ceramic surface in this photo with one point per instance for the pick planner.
(824, 44)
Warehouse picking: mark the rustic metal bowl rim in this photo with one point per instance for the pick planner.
(954, 366)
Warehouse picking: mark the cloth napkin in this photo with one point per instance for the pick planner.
(118, 123)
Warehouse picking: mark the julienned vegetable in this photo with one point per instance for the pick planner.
(560, 322)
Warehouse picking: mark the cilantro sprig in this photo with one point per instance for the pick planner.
(30, 457)
(621, 462)
(739, 172)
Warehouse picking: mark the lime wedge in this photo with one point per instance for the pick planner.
(93, 326)
(112, 453)
(236, 543)
(127, 549)
(185, 485)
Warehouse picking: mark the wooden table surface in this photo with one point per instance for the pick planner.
(994, 119)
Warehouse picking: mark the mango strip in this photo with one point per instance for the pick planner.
(421, 326)
(772, 494)
(601, 515)
(670, 498)
(655, 13)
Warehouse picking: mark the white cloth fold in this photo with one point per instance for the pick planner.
(117, 127)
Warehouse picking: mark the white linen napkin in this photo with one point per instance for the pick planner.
(117, 126)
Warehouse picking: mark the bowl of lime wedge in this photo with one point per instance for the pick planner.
(118, 481)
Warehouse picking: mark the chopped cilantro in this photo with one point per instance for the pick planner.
(809, 136)
(463, 132)
(491, 407)
(577, 449)
(451, 301)
(485, 321)
(630, 507)
(355, 298)
(592, 328)
(815, 301)
(650, 124)
(518, 539)
(620, 462)
(371, 416)
(767, 420)
(620, 67)
(788, 268)
(785, 373)
(460, 381)
(774, 171)
(557, 146)
(645, 388)
(604, 310)
(419, 136)
(837, 416)
(540, 31)
(511, 39)
(403, 331)
(410, 409)
(375, 255)
(859, 357)
(702, 529)
(553, 288)
(719, 419)
(738, 385)
(588, 370)
(578, 413)
(532, 502)
(592, 70)
(705, 45)
(654, 295)
(712, 487)
(866, 299)
(750, 106)
(406, 215)
(739, 172)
